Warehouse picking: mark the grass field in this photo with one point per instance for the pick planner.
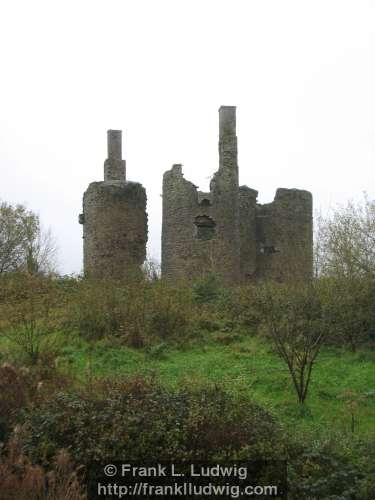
(343, 383)
(324, 455)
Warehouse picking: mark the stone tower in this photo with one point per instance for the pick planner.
(201, 230)
(226, 231)
(114, 220)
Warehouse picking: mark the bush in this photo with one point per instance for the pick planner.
(207, 289)
(138, 419)
(349, 311)
(365, 450)
(137, 313)
(325, 468)
(239, 305)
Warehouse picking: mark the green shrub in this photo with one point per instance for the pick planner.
(138, 419)
(207, 289)
(365, 451)
(325, 468)
(349, 310)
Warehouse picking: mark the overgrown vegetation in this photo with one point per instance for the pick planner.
(96, 369)
(142, 420)
(31, 312)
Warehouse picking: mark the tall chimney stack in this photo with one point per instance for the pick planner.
(228, 140)
(114, 165)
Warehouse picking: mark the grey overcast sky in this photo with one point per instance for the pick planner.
(301, 73)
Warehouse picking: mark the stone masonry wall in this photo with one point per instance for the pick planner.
(284, 235)
(248, 246)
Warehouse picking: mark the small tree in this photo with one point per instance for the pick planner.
(293, 316)
(345, 265)
(24, 245)
(345, 241)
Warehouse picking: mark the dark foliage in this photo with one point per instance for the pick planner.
(141, 420)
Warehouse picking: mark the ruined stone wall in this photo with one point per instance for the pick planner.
(180, 199)
(248, 246)
(114, 220)
(284, 236)
(189, 231)
(226, 231)
(223, 231)
(201, 231)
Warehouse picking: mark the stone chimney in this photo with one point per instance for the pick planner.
(114, 165)
(228, 139)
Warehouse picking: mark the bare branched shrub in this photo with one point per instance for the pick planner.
(292, 313)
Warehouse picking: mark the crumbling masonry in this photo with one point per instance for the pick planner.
(226, 231)
(114, 220)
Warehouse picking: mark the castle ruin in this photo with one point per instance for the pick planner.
(114, 220)
(223, 231)
(226, 231)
